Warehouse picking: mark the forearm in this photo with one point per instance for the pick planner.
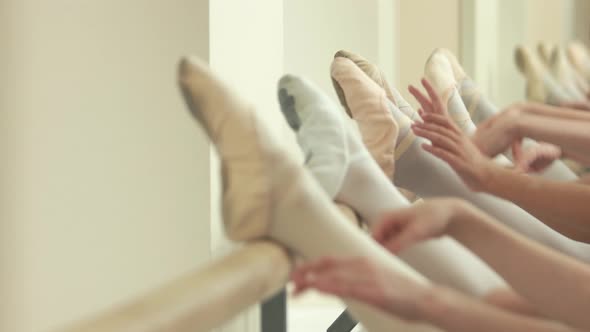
(508, 300)
(561, 205)
(452, 311)
(556, 285)
(571, 135)
(554, 111)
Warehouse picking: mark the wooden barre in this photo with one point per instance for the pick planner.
(204, 299)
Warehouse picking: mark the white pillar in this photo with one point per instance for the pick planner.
(246, 50)
(479, 42)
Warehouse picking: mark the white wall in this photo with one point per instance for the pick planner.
(581, 20)
(424, 25)
(316, 30)
(105, 189)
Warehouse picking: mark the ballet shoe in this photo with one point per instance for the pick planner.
(375, 74)
(254, 167)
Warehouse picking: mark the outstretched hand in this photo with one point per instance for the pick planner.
(448, 142)
(364, 280)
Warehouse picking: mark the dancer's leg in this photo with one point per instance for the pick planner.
(481, 108)
(443, 261)
(376, 128)
(428, 176)
(266, 192)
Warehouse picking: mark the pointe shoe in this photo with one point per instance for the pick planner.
(567, 76)
(368, 106)
(579, 56)
(478, 106)
(252, 163)
(541, 86)
(441, 75)
(375, 74)
(545, 51)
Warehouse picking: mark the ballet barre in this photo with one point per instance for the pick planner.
(204, 299)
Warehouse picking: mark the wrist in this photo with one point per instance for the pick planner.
(461, 212)
(436, 305)
(513, 124)
(488, 170)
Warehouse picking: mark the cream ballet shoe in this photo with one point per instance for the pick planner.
(579, 56)
(378, 128)
(567, 76)
(541, 86)
(545, 51)
(478, 106)
(439, 72)
(358, 88)
(378, 77)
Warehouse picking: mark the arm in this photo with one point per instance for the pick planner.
(389, 292)
(566, 112)
(572, 135)
(455, 312)
(555, 285)
(568, 129)
(527, 266)
(563, 206)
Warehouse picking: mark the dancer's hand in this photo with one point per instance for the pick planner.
(534, 159)
(431, 104)
(403, 228)
(496, 134)
(362, 279)
(451, 145)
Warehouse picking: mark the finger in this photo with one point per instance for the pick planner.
(436, 128)
(439, 140)
(442, 120)
(434, 97)
(421, 112)
(341, 281)
(422, 99)
(314, 267)
(455, 162)
(517, 149)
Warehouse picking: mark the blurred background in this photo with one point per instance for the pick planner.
(108, 188)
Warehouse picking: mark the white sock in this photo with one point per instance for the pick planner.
(429, 176)
(325, 136)
(266, 193)
(443, 261)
